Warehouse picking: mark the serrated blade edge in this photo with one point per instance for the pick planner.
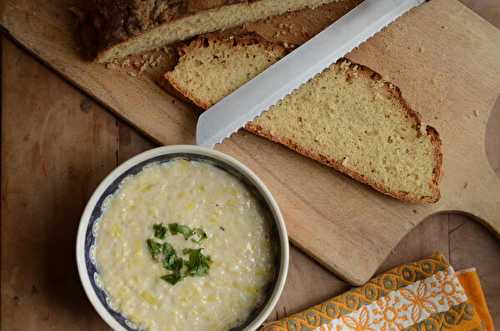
(295, 69)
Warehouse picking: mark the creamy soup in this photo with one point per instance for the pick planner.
(240, 256)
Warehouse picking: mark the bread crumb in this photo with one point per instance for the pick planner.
(143, 67)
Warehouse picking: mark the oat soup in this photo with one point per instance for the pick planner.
(184, 245)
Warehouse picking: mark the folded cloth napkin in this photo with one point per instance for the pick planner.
(423, 296)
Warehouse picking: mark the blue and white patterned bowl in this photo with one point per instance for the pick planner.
(85, 243)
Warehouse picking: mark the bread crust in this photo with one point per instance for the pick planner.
(198, 102)
(119, 22)
(336, 164)
(404, 196)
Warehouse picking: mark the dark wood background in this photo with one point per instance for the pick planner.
(57, 144)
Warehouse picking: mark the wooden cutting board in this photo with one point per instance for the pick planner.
(445, 59)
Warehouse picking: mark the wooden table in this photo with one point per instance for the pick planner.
(57, 144)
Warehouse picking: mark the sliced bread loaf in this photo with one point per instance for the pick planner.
(124, 27)
(347, 117)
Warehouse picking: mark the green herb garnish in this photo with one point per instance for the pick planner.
(176, 228)
(171, 261)
(198, 264)
(155, 248)
(199, 235)
(168, 249)
(172, 278)
(160, 231)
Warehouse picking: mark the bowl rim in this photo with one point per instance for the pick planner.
(279, 283)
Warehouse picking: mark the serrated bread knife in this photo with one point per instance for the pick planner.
(280, 79)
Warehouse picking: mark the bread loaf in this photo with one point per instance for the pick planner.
(347, 117)
(124, 27)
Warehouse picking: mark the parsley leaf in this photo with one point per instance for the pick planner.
(167, 249)
(199, 235)
(198, 264)
(171, 260)
(155, 248)
(160, 231)
(173, 263)
(176, 228)
(172, 278)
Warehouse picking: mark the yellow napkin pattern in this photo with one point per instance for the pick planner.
(426, 295)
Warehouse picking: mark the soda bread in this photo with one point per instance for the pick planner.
(221, 56)
(124, 27)
(347, 117)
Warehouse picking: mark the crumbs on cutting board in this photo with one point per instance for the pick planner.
(152, 63)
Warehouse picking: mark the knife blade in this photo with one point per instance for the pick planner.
(266, 89)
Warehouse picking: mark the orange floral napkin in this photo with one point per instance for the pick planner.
(425, 295)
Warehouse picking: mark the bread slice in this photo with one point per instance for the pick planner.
(210, 68)
(347, 117)
(124, 27)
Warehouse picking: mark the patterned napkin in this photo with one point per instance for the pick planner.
(423, 296)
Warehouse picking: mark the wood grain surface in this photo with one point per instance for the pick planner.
(418, 53)
(56, 146)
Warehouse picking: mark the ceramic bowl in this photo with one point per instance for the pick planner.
(85, 244)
